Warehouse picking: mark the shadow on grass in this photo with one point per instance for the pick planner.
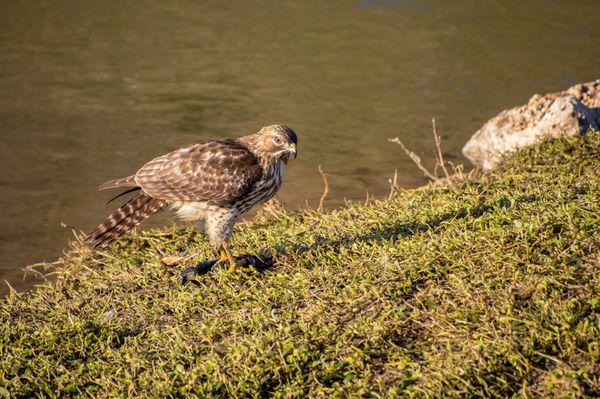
(396, 230)
(408, 229)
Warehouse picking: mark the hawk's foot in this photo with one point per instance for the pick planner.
(240, 262)
(226, 256)
(245, 262)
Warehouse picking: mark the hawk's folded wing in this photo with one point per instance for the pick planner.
(218, 172)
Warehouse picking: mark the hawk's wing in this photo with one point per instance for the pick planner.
(218, 172)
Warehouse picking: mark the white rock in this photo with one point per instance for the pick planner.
(568, 113)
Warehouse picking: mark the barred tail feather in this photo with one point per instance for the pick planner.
(123, 219)
(128, 181)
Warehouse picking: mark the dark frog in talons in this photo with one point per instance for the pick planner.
(246, 262)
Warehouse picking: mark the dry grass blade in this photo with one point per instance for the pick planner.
(438, 145)
(325, 190)
(393, 184)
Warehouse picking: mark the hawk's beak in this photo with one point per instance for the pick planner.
(294, 150)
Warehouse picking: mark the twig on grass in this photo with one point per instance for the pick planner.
(415, 158)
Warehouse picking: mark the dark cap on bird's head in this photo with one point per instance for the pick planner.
(290, 134)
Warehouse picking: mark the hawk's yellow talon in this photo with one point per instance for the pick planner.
(225, 256)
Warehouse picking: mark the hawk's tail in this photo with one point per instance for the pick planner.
(124, 219)
(128, 181)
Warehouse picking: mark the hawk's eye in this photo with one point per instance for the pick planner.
(277, 140)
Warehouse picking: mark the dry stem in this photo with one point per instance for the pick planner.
(438, 145)
(325, 190)
(415, 158)
(393, 184)
(439, 163)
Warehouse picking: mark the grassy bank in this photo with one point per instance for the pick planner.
(487, 288)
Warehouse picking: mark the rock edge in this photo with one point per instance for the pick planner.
(567, 113)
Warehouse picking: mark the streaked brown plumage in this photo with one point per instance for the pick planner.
(124, 219)
(212, 183)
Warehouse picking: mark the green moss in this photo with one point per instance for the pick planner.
(487, 288)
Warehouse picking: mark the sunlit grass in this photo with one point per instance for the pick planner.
(487, 288)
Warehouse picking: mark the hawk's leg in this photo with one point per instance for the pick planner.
(225, 256)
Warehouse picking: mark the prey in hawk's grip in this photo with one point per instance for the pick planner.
(247, 261)
(213, 183)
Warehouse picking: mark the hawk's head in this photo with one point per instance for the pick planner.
(276, 141)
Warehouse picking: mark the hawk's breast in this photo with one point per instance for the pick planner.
(265, 189)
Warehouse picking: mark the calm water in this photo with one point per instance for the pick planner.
(91, 90)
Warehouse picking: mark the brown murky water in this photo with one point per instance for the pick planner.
(90, 90)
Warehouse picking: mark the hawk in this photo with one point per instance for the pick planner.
(212, 183)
